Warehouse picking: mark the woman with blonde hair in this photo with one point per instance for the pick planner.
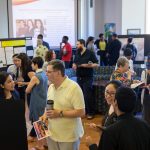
(122, 72)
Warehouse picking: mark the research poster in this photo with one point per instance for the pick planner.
(52, 18)
(2, 57)
(139, 44)
(11, 46)
(9, 53)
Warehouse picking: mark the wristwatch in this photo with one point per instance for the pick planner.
(61, 113)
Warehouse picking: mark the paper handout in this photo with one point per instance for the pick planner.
(134, 85)
(41, 129)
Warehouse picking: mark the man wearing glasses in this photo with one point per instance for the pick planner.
(64, 121)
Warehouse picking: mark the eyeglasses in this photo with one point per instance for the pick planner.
(110, 94)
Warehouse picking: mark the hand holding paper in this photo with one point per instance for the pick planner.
(41, 130)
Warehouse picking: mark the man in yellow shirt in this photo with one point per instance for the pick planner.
(64, 121)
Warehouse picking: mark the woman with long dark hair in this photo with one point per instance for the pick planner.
(110, 117)
(39, 27)
(30, 27)
(90, 43)
(110, 91)
(12, 126)
(25, 73)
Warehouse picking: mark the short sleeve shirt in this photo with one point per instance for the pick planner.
(68, 96)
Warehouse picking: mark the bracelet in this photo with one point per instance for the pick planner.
(61, 113)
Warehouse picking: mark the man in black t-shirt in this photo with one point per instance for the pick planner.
(84, 62)
(114, 50)
(128, 133)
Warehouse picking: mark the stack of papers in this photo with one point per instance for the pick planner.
(133, 86)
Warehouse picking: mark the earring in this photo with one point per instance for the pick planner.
(2, 86)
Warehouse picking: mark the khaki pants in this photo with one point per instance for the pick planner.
(52, 145)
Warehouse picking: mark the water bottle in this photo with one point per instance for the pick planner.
(50, 105)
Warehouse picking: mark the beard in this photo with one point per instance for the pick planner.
(80, 49)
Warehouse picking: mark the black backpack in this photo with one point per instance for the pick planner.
(134, 50)
(130, 46)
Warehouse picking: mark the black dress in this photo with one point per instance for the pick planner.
(13, 135)
(128, 133)
(146, 103)
(22, 89)
(109, 119)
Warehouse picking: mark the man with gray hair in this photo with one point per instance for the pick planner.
(64, 121)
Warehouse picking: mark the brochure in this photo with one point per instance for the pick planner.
(41, 129)
(134, 85)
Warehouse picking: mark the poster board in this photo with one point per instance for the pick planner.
(142, 44)
(11, 46)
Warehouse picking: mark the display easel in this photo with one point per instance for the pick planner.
(11, 46)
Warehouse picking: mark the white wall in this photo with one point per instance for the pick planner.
(113, 13)
(99, 17)
(147, 16)
(107, 11)
(91, 18)
(133, 15)
(127, 14)
(3, 19)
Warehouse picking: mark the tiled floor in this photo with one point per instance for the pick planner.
(88, 132)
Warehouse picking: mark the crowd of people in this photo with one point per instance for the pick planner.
(43, 78)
